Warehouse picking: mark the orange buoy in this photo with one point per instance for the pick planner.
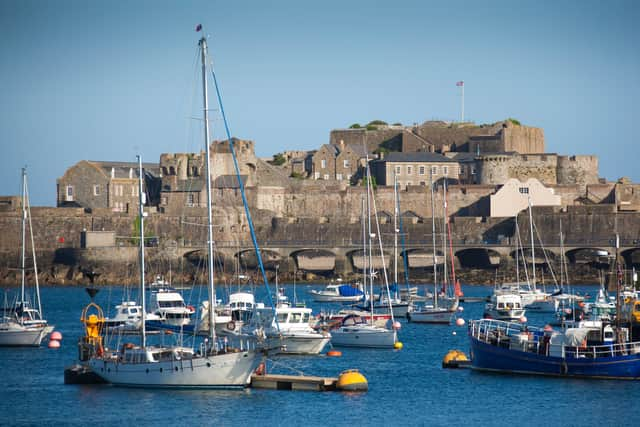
(334, 353)
(54, 344)
(55, 335)
(460, 321)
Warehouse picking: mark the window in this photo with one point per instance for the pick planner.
(445, 170)
(398, 170)
(461, 169)
(191, 199)
(316, 175)
(348, 177)
(323, 163)
(524, 190)
(421, 170)
(346, 164)
(339, 176)
(96, 190)
(409, 170)
(326, 177)
(434, 170)
(473, 170)
(69, 193)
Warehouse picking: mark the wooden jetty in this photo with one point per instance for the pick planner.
(294, 382)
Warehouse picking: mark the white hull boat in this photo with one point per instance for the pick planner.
(430, 314)
(14, 334)
(177, 368)
(356, 332)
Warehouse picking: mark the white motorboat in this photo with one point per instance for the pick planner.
(504, 307)
(298, 337)
(338, 293)
(357, 331)
(169, 306)
(23, 324)
(127, 317)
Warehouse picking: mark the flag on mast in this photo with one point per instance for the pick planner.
(460, 83)
(198, 28)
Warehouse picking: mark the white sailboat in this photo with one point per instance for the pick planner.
(443, 309)
(215, 363)
(23, 323)
(360, 331)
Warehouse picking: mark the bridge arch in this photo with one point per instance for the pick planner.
(314, 260)
(478, 258)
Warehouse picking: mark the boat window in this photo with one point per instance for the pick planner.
(296, 317)
(305, 318)
(282, 317)
(500, 305)
(134, 311)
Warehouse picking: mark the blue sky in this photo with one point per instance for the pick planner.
(107, 80)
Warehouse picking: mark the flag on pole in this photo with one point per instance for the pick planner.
(460, 83)
(198, 27)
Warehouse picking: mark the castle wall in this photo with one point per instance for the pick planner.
(580, 170)
(523, 139)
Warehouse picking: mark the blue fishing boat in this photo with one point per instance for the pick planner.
(592, 349)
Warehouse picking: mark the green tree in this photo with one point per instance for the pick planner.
(514, 121)
(278, 159)
(355, 126)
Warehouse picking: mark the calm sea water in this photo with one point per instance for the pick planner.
(407, 387)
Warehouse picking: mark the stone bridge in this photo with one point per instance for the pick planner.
(348, 256)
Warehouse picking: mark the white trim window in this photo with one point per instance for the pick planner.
(409, 170)
(69, 193)
(434, 170)
(398, 170)
(96, 190)
(421, 170)
(323, 164)
(346, 164)
(445, 170)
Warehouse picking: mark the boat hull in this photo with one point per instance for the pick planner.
(320, 297)
(304, 343)
(488, 357)
(227, 371)
(442, 316)
(21, 336)
(360, 337)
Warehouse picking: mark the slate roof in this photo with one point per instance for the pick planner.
(415, 157)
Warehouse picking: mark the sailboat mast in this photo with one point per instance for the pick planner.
(33, 248)
(369, 236)
(433, 240)
(141, 216)
(203, 55)
(395, 232)
(533, 250)
(444, 235)
(23, 236)
(364, 249)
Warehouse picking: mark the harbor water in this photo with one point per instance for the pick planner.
(406, 387)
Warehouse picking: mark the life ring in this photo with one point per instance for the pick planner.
(191, 309)
(231, 325)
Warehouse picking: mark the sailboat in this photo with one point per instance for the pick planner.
(23, 324)
(216, 362)
(443, 309)
(400, 307)
(360, 330)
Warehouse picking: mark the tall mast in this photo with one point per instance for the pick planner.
(533, 250)
(445, 278)
(433, 240)
(369, 235)
(395, 232)
(141, 216)
(364, 249)
(23, 236)
(203, 54)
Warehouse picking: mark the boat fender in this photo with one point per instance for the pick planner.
(99, 350)
(191, 309)
(231, 325)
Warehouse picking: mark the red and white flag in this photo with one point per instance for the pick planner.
(460, 83)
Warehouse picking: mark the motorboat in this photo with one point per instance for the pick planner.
(586, 351)
(338, 293)
(358, 331)
(168, 304)
(504, 307)
(298, 337)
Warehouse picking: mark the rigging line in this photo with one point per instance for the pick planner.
(544, 252)
(242, 192)
(402, 243)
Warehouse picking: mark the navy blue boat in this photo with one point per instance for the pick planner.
(589, 350)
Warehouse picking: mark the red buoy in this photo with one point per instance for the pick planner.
(54, 344)
(334, 353)
(55, 335)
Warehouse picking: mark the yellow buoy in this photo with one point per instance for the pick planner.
(397, 345)
(454, 359)
(352, 380)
